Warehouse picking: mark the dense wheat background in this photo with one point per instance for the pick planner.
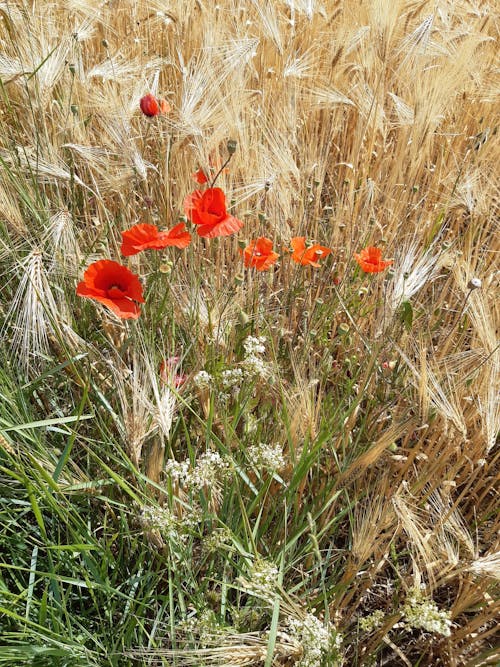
(330, 497)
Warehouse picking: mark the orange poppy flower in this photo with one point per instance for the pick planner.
(142, 237)
(152, 106)
(208, 210)
(200, 176)
(303, 255)
(370, 260)
(259, 254)
(113, 285)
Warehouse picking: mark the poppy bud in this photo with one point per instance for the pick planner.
(243, 318)
(149, 105)
(72, 68)
(474, 283)
(164, 106)
(231, 146)
(166, 267)
(343, 329)
(242, 244)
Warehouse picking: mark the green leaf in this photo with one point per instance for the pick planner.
(407, 315)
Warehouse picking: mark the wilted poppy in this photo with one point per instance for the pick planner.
(308, 255)
(113, 285)
(259, 254)
(208, 210)
(143, 237)
(370, 260)
(168, 374)
(152, 106)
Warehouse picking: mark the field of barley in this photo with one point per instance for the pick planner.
(249, 353)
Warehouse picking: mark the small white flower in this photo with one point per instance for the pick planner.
(254, 366)
(177, 470)
(424, 614)
(202, 379)
(267, 456)
(373, 621)
(209, 468)
(262, 580)
(254, 346)
(316, 640)
(232, 378)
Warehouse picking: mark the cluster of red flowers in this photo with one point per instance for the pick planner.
(118, 288)
(115, 286)
(259, 254)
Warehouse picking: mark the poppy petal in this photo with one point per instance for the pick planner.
(124, 308)
(214, 200)
(225, 228)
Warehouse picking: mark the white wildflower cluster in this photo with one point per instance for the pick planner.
(262, 580)
(266, 456)
(230, 381)
(232, 378)
(421, 613)
(203, 380)
(162, 520)
(220, 538)
(372, 622)
(178, 471)
(252, 363)
(210, 468)
(205, 627)
(253, 345)
(317, 641)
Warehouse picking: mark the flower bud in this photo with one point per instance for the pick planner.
(474, 283)
(231, 146)
(243, 318)
(149, 105)
(166, 267)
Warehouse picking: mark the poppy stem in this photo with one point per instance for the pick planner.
(220, 170)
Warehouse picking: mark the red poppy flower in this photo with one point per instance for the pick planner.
(208, 210)
(200, 176)
(370, 260)
(142, 237)
(113, 285)
(152, 106)
(304, 255)
(259, 254)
